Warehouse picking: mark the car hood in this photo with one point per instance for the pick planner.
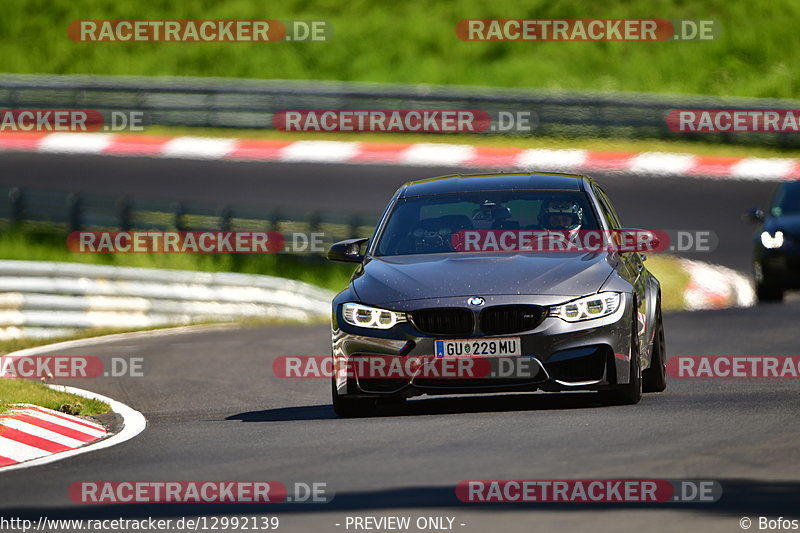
(411, 277)
(787, 223)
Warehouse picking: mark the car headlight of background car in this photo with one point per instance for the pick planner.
(587, 308)
(770, 241)
(364, 316)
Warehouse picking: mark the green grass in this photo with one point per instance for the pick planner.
(415, 42)
(51, 247)
(673, 278)
(496, 141)
(25, 391)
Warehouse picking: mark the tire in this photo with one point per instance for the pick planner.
(654, 379)
(768, 293)
(631, 392)
(351, 407)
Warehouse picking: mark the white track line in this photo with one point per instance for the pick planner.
(320, 151)
(424, 154)
(198, 148)
(72, 143)
(540, 158)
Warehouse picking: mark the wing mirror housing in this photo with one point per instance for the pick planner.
(348, 251)
(641, 240)
(754, 215)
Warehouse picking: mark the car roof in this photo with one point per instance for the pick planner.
(500, 181)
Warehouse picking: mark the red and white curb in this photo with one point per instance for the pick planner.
(715, 286)
(29, 432)
(412, 154)
(34, 436)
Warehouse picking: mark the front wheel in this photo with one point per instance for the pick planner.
(655, 378)
(351, 407)
(631, 392)
(765, 292)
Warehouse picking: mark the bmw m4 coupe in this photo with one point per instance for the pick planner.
(445, 278)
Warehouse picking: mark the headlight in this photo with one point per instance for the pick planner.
(371, 317)
(589, 307)
(772, 242)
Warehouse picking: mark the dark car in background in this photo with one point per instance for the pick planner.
(776, 244)
(583, 320)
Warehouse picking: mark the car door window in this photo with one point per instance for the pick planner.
(607, 211)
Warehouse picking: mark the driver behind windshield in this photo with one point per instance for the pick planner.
(560, 215)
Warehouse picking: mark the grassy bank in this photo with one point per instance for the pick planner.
(25, 391)
(416, 42)
(51, 247)
(673, 278)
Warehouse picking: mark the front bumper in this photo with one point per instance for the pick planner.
(558, 355)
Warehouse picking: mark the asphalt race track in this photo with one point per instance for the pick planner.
(216, 411)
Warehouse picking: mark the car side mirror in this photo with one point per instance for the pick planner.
(754, 215)
(348, 251)
(640, 240)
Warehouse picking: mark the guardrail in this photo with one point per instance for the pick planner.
(46, 299)
(243, 103)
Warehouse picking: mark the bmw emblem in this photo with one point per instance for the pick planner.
(477, 301)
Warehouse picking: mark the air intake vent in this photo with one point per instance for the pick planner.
(504, 319)
(443, 321)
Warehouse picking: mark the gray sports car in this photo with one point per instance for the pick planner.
(520, 318)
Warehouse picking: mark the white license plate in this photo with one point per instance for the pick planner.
(478, 347)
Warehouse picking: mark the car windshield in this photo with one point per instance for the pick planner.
(787, 200)
(425, 224)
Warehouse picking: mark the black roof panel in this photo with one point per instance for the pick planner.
(494, 182)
